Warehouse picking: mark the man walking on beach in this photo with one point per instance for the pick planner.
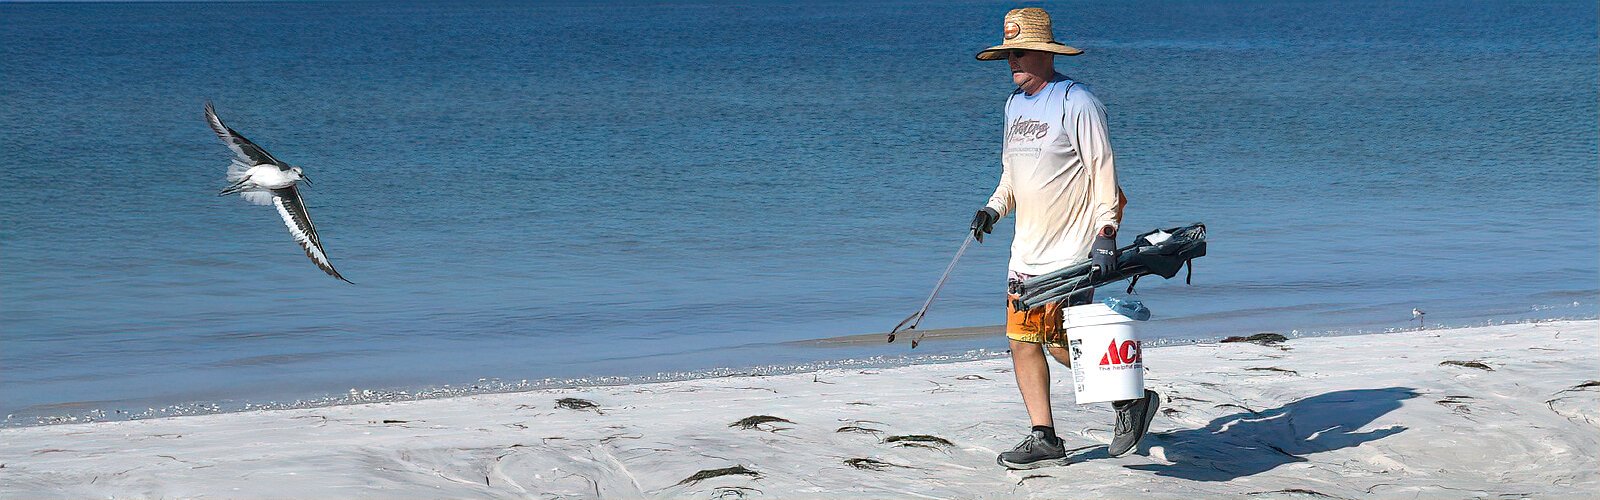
(1059, 178)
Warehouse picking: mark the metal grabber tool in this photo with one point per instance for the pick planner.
(916, 318)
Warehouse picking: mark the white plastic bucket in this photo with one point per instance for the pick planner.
(1107, 358)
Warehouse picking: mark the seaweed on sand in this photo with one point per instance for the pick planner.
(1273, 369)
(1467, 364)
(755, 422)
(919, 440)
(1264, 338)
(870, 464)
(1231, 405)
(1456, 404)
(1032, 476)
(577, 404)
(726, 492)
(737, 470)
(1299, 492)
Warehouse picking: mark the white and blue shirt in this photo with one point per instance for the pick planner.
(1058, 175)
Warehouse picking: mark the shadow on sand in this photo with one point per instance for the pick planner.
(1246, 443)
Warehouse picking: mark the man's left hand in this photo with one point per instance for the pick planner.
(1103, 255)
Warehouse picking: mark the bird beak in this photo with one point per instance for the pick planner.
(306, 179)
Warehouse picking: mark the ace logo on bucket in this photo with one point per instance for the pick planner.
(1097, 331)
(1121, 356)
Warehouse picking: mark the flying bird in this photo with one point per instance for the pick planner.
(261, 179)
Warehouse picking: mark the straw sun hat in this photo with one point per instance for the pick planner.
(1027, 29)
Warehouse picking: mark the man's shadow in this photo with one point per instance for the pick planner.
(1248, 443)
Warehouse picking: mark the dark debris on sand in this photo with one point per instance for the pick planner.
(577, 404)
(1273, 369)
(737, 470)
(1299, 492)
(1231, 405)
(919, 440)
(726, 492)
(1264, 338)
(1467, 364)
(858, 429)
(1032, 476)
(1456, 404)
(870, 464)
(1579, 387)
(754, 422)
(1558, 396)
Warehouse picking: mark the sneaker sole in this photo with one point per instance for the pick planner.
(1149, 416)
(1053, 462)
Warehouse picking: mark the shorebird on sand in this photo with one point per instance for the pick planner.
(261, 179)
(1417, 314)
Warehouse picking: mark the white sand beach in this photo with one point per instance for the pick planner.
(1372, 416)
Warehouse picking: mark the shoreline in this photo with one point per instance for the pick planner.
(1353, 416)
(489, 386)
(933, 334)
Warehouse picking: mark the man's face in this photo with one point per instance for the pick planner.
(1030, 68)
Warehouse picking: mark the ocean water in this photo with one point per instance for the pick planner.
(583, 192)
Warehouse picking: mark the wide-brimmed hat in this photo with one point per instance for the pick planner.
(1027, 29)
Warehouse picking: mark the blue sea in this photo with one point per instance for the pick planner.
(568, 193)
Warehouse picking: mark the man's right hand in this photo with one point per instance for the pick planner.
(983, 223)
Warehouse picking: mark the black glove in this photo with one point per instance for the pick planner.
(1104, 252)
(983, 223)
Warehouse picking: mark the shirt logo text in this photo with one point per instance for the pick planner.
(1027, 130)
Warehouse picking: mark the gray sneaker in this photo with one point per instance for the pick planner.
(1034, 452)
(1133, 419)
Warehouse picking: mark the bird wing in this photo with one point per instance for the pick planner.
(295, 216)
(248, 152)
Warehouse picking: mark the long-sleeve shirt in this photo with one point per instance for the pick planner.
(1058, 176)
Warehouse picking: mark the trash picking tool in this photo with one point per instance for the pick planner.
(916, 318)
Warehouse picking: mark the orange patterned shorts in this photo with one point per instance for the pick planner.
(1040, 325)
